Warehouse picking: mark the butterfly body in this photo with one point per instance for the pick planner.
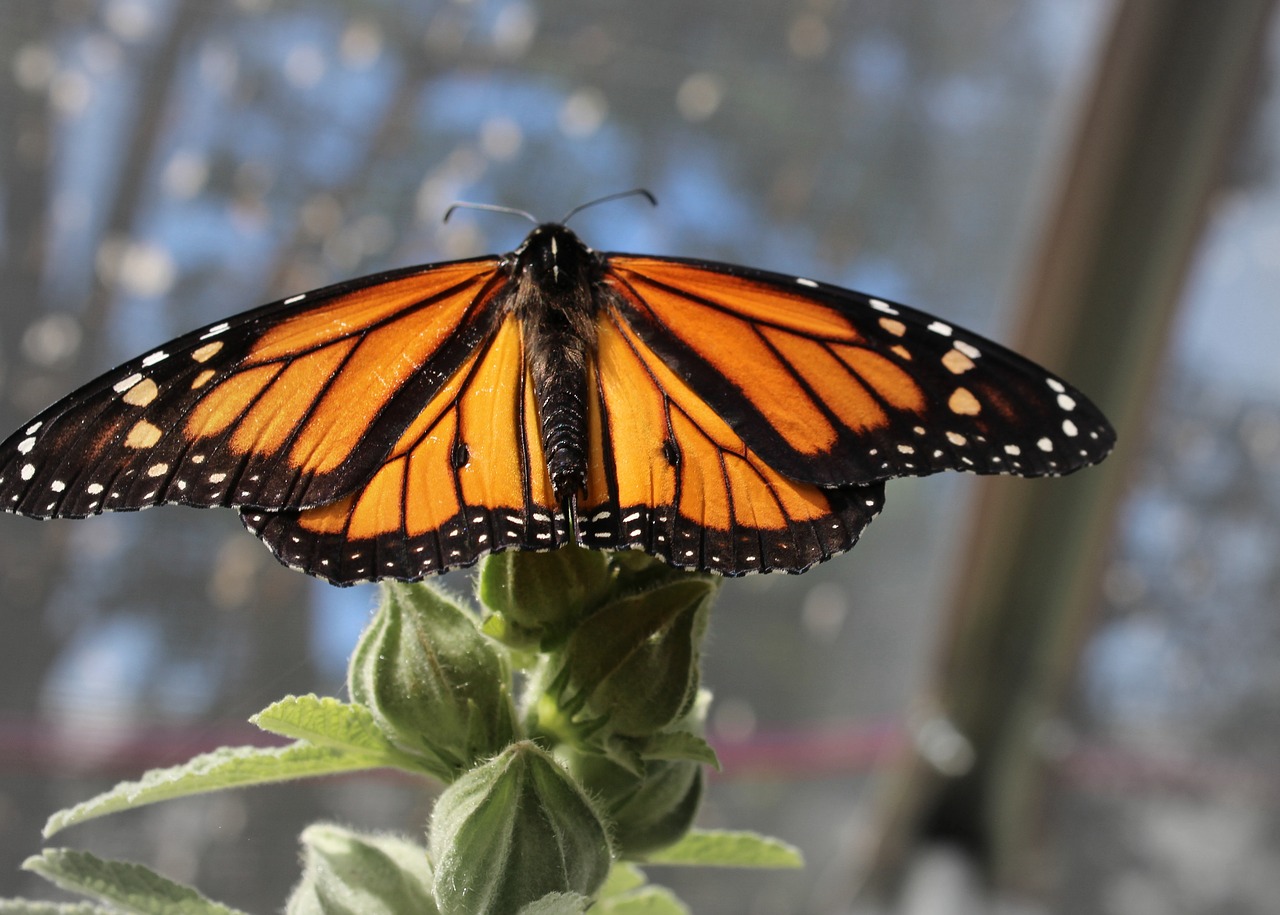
(556, 284)
(722, 418)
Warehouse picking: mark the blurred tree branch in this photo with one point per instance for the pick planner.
(1173, 81)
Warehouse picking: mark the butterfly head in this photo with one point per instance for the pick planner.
(552, 256)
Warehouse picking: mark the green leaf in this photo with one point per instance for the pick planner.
(33, 907)
(132, 887)
(651, 900)
(227, 767)
(722, 848)
(623, 877)
(351, 873)
(557, 904)
(679, 745)
(329, 722)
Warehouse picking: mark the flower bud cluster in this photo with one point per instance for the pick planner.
(541, 799)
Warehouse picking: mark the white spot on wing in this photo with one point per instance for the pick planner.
(121, 386)
(28, 471)
(158, 356)
(1055, 385)
(57, 486)
(25, 446)
(1070, 428)
(295, 298)
(1066, 401)
(968, 349)
(1044, 444)
(880, 305)
(939, 328)
(805, 281)
(215, 330)
(33, 428)
(93, 489)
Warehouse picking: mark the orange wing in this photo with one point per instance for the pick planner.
(467, 477)
(834, 387)
(667, 475)
(288, 406)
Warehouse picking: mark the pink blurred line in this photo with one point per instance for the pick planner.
(35, 749)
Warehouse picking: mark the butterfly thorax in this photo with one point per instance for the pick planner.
(554, 299)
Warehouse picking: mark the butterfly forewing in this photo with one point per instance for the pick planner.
(289, 405)
(835, 388)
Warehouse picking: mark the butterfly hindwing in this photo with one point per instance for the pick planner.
(292, 404)
(835, 387)
(467, 477)
(669, 476)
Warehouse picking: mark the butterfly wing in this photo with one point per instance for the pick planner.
(466, 477)
(833, 387)
(291, 405)
(669, 476)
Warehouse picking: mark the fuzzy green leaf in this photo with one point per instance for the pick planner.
(679, 745)
(226, 767)
(722, 848)
(623, 877)
(557, 904)
(129, 886)
(34, 907)
(350, 873)
(651, 900)
(329, 722)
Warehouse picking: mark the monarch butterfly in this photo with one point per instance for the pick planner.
(722, 418)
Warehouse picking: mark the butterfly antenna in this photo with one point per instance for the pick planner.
(634, 192)
(490, 207)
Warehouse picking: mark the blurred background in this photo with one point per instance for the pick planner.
(1034, 696)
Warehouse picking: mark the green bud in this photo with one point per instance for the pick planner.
(635, 660)
(435, 684)
(648, 811)
(346, 873)
(544, 591)
(512, 831)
